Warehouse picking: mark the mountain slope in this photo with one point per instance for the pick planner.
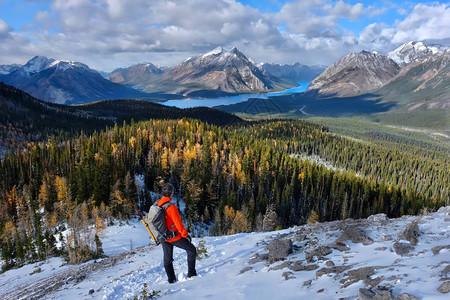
(425, 83)
(218, 70)
(355, 74)
(137, 76)
(24, 118)
(371, 257)
(6, 69)
(65, 82)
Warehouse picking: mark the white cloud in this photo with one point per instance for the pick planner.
(106, 34)
(4, 29)
(425, 22)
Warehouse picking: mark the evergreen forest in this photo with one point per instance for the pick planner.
(247, 176)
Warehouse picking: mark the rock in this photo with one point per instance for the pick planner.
(354, 235)
(307, 282)
(329, 263)
(258, 258)
(320, 291)
(298, 266)
(91, 291)
(381, 248)
(438, 249)
(377, 218)
(246, 269)
(283, 265)
(378, 293)
(335, 269)
(288, 275)
(319, 252)
(411, 233)
(299, 237)
(444, 288)
(406, 296)
(279, 249)
(361, 273)
(338, 245)
(373, 282)
(445, 271)
(402, 249)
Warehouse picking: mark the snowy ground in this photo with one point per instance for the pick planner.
(231, 271)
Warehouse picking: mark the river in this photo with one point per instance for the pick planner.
(211, 102)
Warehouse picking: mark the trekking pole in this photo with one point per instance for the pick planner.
(146, 226)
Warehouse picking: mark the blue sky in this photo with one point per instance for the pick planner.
(107, 34)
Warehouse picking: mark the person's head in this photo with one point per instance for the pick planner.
(167, 190)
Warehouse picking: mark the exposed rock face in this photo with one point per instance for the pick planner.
(355, 74)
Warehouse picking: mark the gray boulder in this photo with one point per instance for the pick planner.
(444, 288)
(378, 293)
(279, 249)
(319, 252)
(355, 235)
(402, 249)
(406, 296)
(411, 233)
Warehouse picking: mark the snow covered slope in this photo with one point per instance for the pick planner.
(335, 260)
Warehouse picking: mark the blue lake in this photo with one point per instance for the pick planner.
(211, 102)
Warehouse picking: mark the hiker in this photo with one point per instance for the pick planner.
(181, 240)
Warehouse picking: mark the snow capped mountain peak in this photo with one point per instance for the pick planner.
(37, 64)
(63, 65)
(410, 52)
(216, 51)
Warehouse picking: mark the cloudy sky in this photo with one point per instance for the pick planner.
(106, 34)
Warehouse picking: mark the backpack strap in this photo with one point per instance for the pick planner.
(165, 206)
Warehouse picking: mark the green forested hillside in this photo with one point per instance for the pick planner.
(239, 176)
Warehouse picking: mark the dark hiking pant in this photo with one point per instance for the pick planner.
(168, 257)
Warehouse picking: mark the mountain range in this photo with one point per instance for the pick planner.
(216, 73)
(65, 82)
(410, 77)
(411, 72)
